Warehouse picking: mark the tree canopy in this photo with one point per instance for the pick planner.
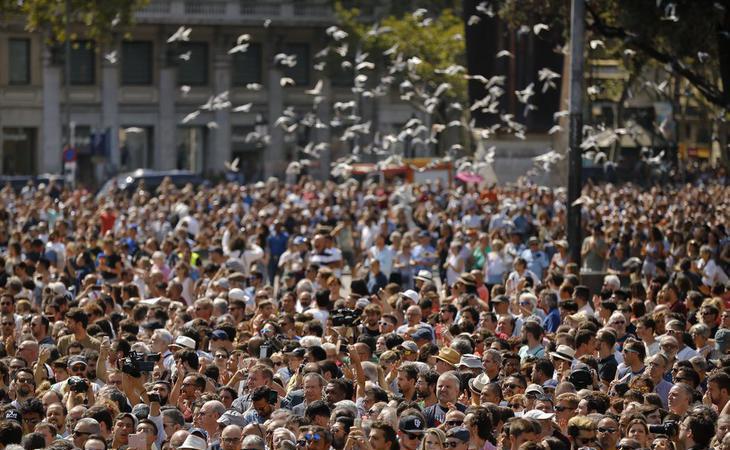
(99, 18)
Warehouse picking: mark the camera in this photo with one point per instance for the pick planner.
(153, 397)
(77, 384)
(345, 317)
(136, 363)
(668, 428)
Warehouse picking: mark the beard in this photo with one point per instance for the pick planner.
(24, 391)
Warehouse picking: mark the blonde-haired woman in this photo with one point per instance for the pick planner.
(433, 439)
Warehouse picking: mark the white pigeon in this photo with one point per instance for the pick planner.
(191, 116)
(503, 53)
(547, 76)
(245, 37)
(212, 125)
(539, 27)
(182, 34)
(595, 43)
(240, 48)
(111, 57)
(133, 130)
(254, 86)
(185, 89)
(473, 20)
(267, 23)
(420, 12)
(286, 81)
(232, 166)
(243, 108)
(186, 56)
(316, 90)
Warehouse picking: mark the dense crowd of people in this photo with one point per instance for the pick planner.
(364, 315)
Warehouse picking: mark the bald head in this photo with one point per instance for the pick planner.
(178, 438)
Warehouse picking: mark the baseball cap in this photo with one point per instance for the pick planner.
(236, 294)
(538, 415)
(219, 335)
(413, 295)
(13, 414)
(77, 359)
(410, 346)
(424, 275)
(470, 362)
(297, 352)
(460, 433)
(231, 417)
(535, 388)
(722, 339)
(421, 333)
(411, 424)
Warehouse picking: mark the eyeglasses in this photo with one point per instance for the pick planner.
(308, 439)
(618, 322)
(606, 430)
(454, 423)
(25, 380)
(77, 433)
(560, 408)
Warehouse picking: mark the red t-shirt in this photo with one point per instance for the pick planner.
(107, 221)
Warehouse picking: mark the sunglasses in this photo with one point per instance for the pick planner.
(454, 423)
(511, 386)
(606, 430)
(625, 447)
(81, 433)
(559, 408)
(308, 438)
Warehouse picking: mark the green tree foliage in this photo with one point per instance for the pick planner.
(99, 18)
(435, 38)
(687, 38)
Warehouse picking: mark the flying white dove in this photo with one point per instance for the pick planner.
(240, 48)
(186, 56)
(595, 43)
(503, 53)
(316, 90)
(182, 34)
(243, 108)
(539, 27)
(191, 116)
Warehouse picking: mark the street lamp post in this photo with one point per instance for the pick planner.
(575, 162)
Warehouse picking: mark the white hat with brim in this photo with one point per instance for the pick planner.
(194, 443)
(564, 352)
(184, 341)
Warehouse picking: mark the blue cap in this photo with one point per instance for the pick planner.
(220, 335)
(421, 333)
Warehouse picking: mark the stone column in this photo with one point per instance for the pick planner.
(220, 150)
(110, 108)
(274, 161)
(324, 115)
(166, 151)
(49, 159)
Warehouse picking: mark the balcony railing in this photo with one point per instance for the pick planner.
(238, 11)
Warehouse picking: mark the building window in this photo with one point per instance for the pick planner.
(137, 63)
(191, 148)
(193, 70)
(19, 61)
(82, 63)
(247, 66)
(18, 151)
(300, 72)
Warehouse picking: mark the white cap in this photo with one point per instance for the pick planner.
(538, 415)
(413, 295)
(236, 294)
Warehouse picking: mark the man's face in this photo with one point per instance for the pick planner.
(263, 407)
(512, 386)
(170, 426)
(490, 364)
(81, 433)
(409, 441)
(312, 389)
(78, 369)
(24, 384)
(6, 305)
(206, 417)
(333, 394)
(423, 390)
(311, 441)
(405, 383)
(255, 380)
(36, 327)
(657, 368)
(413, 315)
(54, 415)
(585, 438)
(456, 444)
(677, 400)
(716, 394)
(339, 436)
(162, 391)
(385, 326)
(504, 325)
(149, 433)
(30, 420)
(231, 438)
(684, 431)
(447, 391)
(607, 433)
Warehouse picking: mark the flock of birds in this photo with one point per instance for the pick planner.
(400, 74)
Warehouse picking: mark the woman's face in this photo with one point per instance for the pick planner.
(638, 432)
(432, 443)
